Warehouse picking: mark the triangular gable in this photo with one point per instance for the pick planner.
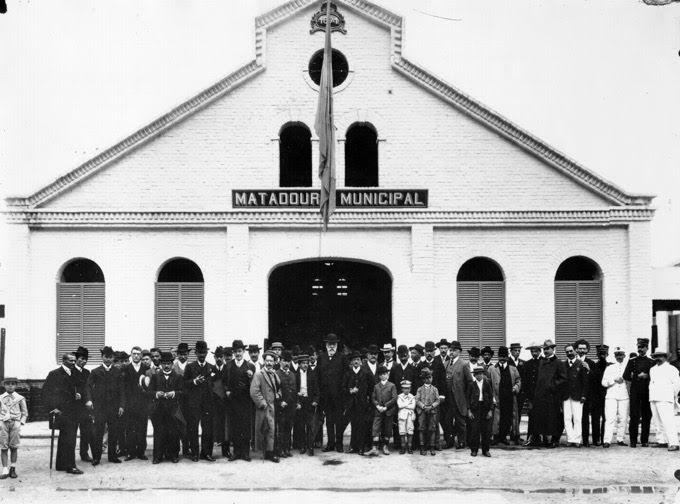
(415, 73)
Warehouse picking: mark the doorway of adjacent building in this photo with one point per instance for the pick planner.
(311, 298)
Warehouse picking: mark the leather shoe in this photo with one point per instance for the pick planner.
(339, 449)
(86, 458)
(194, 458)
(74, 470)
(352, 450)
(310, 452)
(156, 461)
(207, 457)
(143, 457)
(670, 448)
(328, 448)
(486, 454)
(473, 453)
(645, 445)
(115, 460)
(606, 445)
(245, 457)
(4, 476)
(129, 458)
(13, 471)
(175, 460)
(96, 462)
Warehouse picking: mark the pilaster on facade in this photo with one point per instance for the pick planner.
(639, 280)
(238, 287)
(422, 278)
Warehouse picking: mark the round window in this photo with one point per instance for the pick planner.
(340, 67)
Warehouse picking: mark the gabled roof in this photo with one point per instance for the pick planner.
(417, 74)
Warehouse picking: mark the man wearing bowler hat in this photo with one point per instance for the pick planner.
(166, 387)
(402, 370)
(80, 375)
(547, 403)
(528, 387)
(221, 415)
(254, 356)
(198, 378)
(458, 380)
(105, 394)
(637, 373)
(239, 374)
(355, 386)
(331, 368)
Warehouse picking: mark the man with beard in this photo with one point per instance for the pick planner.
(458, 380)
(105, 393)
(166, 387)
(355, 386)
(137, 418)
(582, 347)
(332, 366)
(596, 395)
(664, 386)
(637, 373)
(239, 374)
(84, 421)
(547, 401)
(60, 395)
(198, 378)
(528, 387)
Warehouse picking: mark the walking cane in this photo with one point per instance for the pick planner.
(53, 417)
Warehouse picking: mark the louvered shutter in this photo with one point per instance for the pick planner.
(578, 312)
(481, 314)
(179, 313)
(80, 318)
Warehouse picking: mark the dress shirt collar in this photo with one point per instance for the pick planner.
(65, 368)
(107, 369)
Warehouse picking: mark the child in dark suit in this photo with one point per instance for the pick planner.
(384, 399)
(481, 401)
(427, 407)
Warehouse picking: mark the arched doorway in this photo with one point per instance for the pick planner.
(311, 298)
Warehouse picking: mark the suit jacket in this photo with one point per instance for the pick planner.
(576, 385)
(529, 373)
(199, 395)
(331, 372)
(458, 379)
(237, 380)
(106, 389)
(136, 397)
(385, 395)
(397, 375)
(487, 397)
(312, 385)
(635, 366)
(166, 406)
(374, 376)
(264, 388)
(288, 388)
(80, 380)
(59, 392)
(361, 380)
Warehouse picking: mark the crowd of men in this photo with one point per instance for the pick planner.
(278, 402)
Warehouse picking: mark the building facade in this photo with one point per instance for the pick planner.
(452, 222)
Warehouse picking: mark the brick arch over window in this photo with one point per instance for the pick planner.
(179, 304)
(481, 304)
(295, 155)
(361, 155)
(578, 302)
(81, 308)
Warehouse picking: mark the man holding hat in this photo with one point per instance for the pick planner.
(198, 378)
(331, 368)
(458, 380)
(547, 400)
(637, 373)
(239, 374)
(60, 395)
(664, 386)
(166, 387)
(80, 375)
(616, 400)
(105, 393)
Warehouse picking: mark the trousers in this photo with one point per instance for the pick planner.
(664, 418)
(616, 415)
(573, 412)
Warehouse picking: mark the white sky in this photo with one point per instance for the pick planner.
(599, 80)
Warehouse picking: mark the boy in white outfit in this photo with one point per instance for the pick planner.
(664, 385)
(616, 401)
(13, 414)
(406, 402)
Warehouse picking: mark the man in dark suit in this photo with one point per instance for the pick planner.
(239, 375)
(371, 367)
(166, 388)
(198, 378)
(528, 376)
(80, 375)
(596, 396)
(401, 370)
(137, 401)
(480, 414)
(575, 393)
(331, 368)
(222, 413)
(637, 373)
(438, 380)
(458, 380)
(308, 401)
(106, 398)
(514, 360)
(547, 401)
(60, 395)
(582, 347)
(445, 404)
(355, 388)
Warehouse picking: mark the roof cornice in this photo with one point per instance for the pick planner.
(614, 216)
(415, 73)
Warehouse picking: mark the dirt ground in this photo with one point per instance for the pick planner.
(594, 475)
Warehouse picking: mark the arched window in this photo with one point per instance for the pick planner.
(179, 304)
(361, 156)
(295, 156)
(578, 302)
(481, 304)
(80, 308)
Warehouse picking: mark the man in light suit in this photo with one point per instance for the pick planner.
(458, 379)
(265, 391)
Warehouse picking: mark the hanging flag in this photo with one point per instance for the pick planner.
(325, 129)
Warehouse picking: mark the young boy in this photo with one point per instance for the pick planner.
(427, 406)
(406, 402)
(481, 401)
(384, 399)
(13, 414)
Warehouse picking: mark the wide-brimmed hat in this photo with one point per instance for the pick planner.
(548, 344)
(254, 348)
(534, 345)
(387, 347)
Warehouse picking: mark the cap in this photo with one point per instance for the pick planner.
(643, 342)
(617, 350)
(478, 369)
(10, 379)
(405, 383)
(276, 345)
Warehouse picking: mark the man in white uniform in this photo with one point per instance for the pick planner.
(664, 385)
(616, 401)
